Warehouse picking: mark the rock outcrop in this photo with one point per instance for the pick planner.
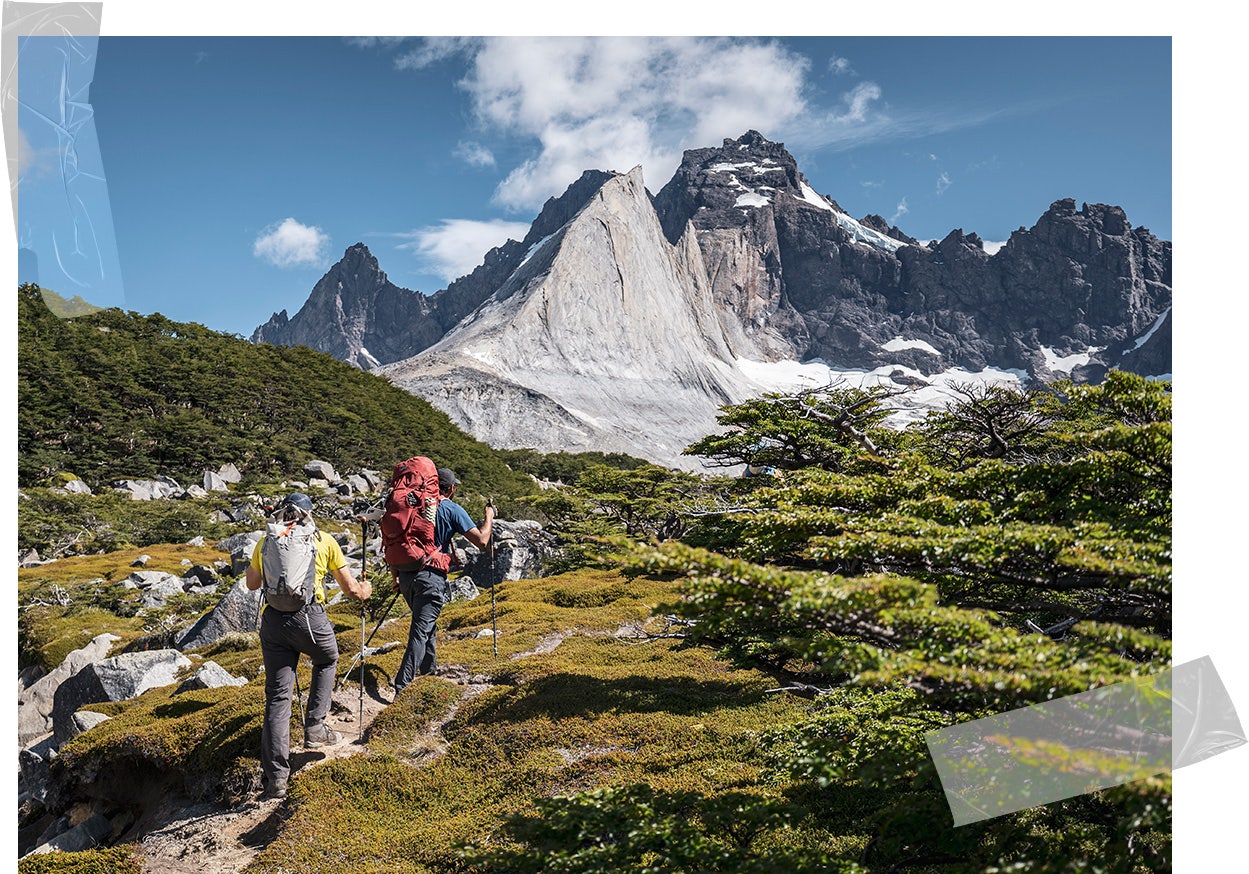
(35, 702)
(113, 679)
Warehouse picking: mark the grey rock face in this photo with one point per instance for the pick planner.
(77, 487)
(229, 473)
(606, 322)
(113, 679)
(35, 703)
(236, 612)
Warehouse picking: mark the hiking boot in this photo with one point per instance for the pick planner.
(319, 736)
(276, 789)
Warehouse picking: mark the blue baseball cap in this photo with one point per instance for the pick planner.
(298, 499)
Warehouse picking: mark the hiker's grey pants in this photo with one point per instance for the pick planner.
(283, 637)
(425, 592)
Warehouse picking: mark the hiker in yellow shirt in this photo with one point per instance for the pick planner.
(294, 624)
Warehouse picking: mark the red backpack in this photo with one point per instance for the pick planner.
(408, 521)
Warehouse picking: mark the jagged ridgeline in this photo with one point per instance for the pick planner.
(111, 394)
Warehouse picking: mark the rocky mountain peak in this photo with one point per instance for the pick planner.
(622, 321)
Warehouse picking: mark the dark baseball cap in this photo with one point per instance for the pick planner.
(447, 478)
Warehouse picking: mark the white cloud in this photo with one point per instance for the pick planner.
(434, 49)
(33, 163)
(858, 102)
(943, 182)
(611, 103)
(374, 42)
(291, 244)
(901, 210)
(474, 154)
(454, 247)
(840, 66)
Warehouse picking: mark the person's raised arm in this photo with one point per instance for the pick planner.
(479, 535)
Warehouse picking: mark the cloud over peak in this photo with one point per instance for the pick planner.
(454, 247)
(289, 243)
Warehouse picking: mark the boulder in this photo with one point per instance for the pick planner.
(76, 487)
(33, 761)
(209, 676)
(92, 832)
(198, 540)
(141, 561)
(373, 478)
(85, 720)
(322, 470)
(230, 473)
(200, 575)
(29, 558)
(148, 489)
(35, 703)
(157, 582)
(236, 612)
(521, 550)
(214, 483)
(113, 679)
(27, 676)
(463, 589)
(194, 491)
(232, 543)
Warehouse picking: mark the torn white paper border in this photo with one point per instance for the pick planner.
(1084, 742)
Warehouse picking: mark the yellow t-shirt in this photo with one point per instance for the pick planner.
(329, 558)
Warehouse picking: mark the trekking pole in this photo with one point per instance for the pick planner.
(364, 575)
(352, 665)
(494, 628)
(299, 696)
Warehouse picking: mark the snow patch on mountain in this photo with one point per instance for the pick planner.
(1068, 363)
(897, 344)
(751, 199)
(1144, 338)
(858, 232)
(918, 395)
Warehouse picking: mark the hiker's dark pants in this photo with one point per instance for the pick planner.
(426, 593)
(283, 637)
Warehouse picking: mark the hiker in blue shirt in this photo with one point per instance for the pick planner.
(426, 590)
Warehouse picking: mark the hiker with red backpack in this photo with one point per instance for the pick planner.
(420, 520)
(290, 562)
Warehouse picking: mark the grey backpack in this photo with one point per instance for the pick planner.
(289, 562)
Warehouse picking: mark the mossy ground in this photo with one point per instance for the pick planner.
(107, 860)
(599, 710)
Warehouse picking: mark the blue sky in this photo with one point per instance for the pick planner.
(238, 169)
